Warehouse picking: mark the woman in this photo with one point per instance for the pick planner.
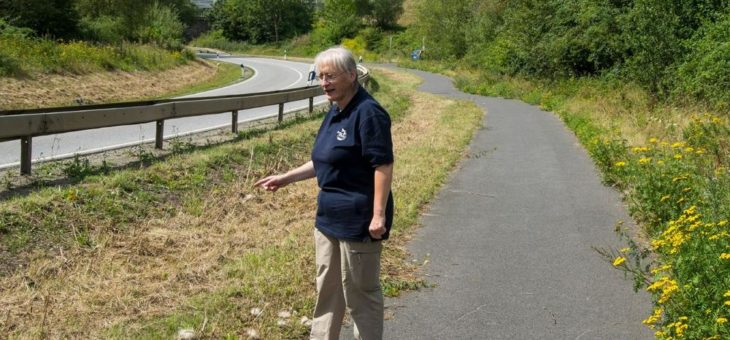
(352, 159)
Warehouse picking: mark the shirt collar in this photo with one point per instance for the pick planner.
(360, 92)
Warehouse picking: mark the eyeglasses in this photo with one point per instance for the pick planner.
(328, 76)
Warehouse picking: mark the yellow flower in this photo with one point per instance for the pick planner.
(680, 328)
(619, 261)
(677, 156)
(677, 145)
(661, 268)
(722, 223)
(689, 149)
(721, 320)
(652, 140)
(620, 164)
(727, 303)
(727, 294)
(725, 256)
(654, 318)
(644, 160)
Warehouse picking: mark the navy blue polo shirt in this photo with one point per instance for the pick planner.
(350, 144)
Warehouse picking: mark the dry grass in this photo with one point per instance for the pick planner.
(103, 87)
(228, 248)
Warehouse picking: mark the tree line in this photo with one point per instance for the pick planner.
(674, 48)
(267, 21)
(162, 22)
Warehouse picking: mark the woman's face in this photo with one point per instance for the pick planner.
(337, 85)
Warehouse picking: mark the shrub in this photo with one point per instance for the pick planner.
(162, 27)
(705, 73)
(107, 29)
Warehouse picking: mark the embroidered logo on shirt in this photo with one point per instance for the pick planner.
(341, 135)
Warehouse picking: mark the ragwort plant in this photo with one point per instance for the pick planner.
(680, 190)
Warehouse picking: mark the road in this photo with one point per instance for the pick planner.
(269, 75)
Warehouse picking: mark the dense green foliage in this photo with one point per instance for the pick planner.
(161, 22)
(81, 36)
(258, 21)
(672, 48)
(329, 21)
(56, 18)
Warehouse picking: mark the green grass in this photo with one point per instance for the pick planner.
(23, 56)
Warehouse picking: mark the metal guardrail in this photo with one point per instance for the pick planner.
(26, 124)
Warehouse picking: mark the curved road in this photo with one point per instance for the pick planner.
(269, 75)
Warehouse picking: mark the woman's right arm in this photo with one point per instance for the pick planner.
(273, 183)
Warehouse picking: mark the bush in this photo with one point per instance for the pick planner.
(705, 73)
(106, 29)
(162, 27)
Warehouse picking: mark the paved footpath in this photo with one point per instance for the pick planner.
(509, 240)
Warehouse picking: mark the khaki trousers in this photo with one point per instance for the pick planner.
(348, 276)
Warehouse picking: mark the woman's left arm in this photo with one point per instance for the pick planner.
(383, 180)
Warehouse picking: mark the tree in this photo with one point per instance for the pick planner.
(385, 13)
(259, 21)
(126, 18)
(55, 18)
(163, 27)
(340, 19)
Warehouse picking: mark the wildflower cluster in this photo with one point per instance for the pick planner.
(680, 192)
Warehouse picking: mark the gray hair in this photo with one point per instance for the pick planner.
(339, 57)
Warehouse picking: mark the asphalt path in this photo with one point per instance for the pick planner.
(270, 75)
(508, 240)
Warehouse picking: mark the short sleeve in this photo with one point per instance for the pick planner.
(375, 138)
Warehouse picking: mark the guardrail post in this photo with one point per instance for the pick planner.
(234, 120)
(311, 104)
(281, 112)
(26, 148)
(160, 128)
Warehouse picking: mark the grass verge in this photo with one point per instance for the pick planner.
(188, 244)
(226, 74)
(672, 165)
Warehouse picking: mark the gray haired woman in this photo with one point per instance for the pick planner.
(352, 159)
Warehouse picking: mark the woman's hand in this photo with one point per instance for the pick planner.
(275, 182)
(377, 227)
(272, 183)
